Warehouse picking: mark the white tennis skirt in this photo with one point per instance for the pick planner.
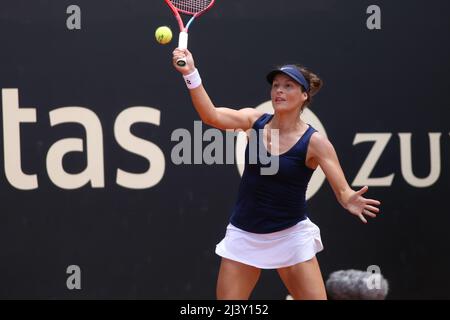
(272, 250)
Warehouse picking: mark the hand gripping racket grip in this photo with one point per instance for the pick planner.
(182, 44)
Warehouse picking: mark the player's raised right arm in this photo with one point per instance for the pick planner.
(222, 118)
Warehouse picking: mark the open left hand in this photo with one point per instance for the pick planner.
(360, 206)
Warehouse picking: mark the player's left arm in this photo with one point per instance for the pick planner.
(322, 152)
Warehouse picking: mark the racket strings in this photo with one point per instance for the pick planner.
(191, 6)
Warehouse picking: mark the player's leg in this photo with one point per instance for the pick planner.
(304, 280)
(236, 280)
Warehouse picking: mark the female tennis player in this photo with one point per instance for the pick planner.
(269, 227)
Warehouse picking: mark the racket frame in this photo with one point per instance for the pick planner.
(183, 37)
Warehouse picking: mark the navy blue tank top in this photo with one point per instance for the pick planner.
(270, 203)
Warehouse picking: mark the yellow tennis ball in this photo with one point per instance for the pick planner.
(163, 35)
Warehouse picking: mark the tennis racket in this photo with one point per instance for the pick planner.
(194, 8)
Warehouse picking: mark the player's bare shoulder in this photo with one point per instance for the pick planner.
(319, 145)
(251, 114)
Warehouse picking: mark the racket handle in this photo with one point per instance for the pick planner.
(182, 62)
(182, 44)
(183, 40)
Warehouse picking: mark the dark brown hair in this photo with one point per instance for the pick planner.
(315, 84)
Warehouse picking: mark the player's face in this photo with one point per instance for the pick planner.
(286, 93)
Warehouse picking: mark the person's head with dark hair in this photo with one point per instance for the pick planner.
(288, 79)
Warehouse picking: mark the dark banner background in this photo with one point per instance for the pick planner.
(158, 243)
